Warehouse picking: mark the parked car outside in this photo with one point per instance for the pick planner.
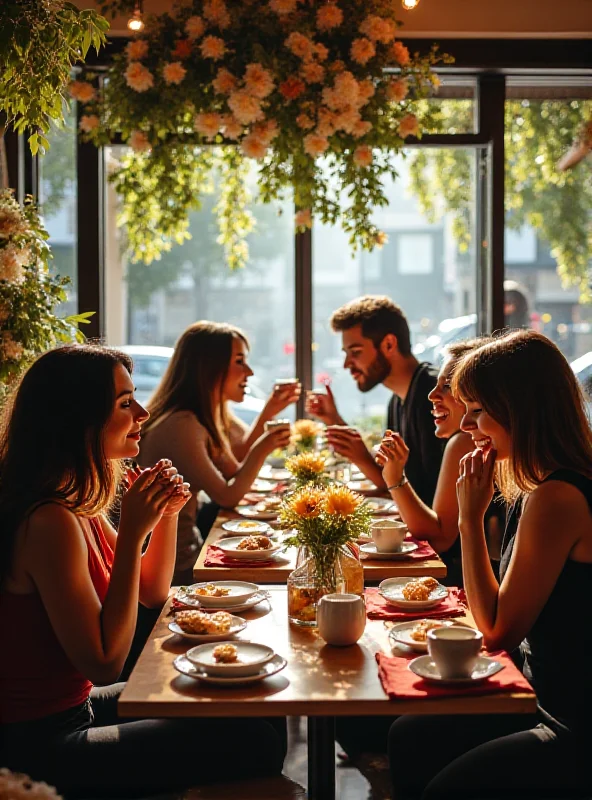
(150, 363)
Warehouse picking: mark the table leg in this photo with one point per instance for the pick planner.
(321, 758)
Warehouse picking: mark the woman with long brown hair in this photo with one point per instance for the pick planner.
(526, 415)
(190, 424)
(70, 586)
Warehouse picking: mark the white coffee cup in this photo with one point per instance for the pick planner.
(341, 618)
(455, 650)
(277, 423)
(388, 534)
(286, 381)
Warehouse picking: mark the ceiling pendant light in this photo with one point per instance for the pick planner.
(135, 23)
(409, 5)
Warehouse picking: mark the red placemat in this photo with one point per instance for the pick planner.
(215, 557)
(399, 683)
(455, 605)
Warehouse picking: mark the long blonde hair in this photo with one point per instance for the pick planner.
(198, 367)
(524, 383)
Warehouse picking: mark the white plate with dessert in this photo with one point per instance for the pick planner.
(246, 526)
(414, 634)
(483, 669)
(230, 659)
(183, 665)
(221, 594)
(267, 509)
(403, 551)
(193, 602)
(263, 486)
(379, 506)
(249, 548)
(413, 594)
(275, 474)
(199, 627)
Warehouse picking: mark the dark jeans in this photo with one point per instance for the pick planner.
(478, 757)
(88, 752)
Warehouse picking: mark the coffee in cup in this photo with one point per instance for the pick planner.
(454, 650)
(388, 534)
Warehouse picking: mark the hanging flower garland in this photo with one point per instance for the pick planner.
(320, 94)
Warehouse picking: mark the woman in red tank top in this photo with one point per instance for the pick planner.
(70, 584)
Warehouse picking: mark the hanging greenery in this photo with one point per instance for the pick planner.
(557, 204)
(40, 41)
(301, 87)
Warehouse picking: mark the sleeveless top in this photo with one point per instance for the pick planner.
(557, 652)
(36, 677)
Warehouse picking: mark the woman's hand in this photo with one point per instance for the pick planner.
(179, 498)
(474, 487)
(282, 396)
(392, 456)
(275, 438)
(146, 499)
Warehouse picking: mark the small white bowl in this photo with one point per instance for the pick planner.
(251, 658)
(240, 591)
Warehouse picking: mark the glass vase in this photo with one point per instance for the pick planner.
(351, 568)
(312, 578)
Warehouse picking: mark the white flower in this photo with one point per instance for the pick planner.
(12, 260)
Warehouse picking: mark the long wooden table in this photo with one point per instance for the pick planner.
(320, 682)
(375, 570)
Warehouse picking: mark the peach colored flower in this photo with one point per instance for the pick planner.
(5, 312)
(208, 124)
(11, 222)
(380, 239)
(361, 128)
(300, 45)
(224, 82)
(362, 50)
(11, 349)
(397, 90)
(138, 141)
(11, 264)
(213, 47)
(194, 27)
(366, 90)
(137, 50)
(215, 11)
(253, 147)
(408, 126)
(378, 29)
(363, 156)
(231, 127)
(337, 66)
(173, 72)
(82, 91)
(258, 81)
(329, 16)
(400, 53)
(345, 92)
(305, 122)
(183, 49)
(303, 218)
(138, 77)
(326, 123)
(292, 88)
(266, 131)
(312, 72)
(245, 108)
(321, 52)
(315, 144)
(88, 122)
(347, 120)
(282, 7)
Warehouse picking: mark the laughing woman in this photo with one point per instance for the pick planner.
(527, 418)
(191, 425)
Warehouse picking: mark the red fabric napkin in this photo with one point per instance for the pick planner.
(399, 683)
(215, 557)
(377, 608)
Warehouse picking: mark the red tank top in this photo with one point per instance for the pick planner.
(36, 676)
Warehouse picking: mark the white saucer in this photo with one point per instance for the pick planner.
(183, 665)
(237, 624)
(401, 632)
(251, 656)
(263, 486)
(252, 512)
(276, 474)
(238, 592)
(484, 668)
(392, 591)
(402, 552)
(246, 526)
(254, 600)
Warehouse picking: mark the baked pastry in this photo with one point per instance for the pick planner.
(197, 622)
(254, 543)
(414, 590)
(429, 583)
(420, 631)
(211, 590)
(225, 654)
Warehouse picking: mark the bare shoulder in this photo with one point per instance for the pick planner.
(555, 506)
(52, 524)
(557, 495)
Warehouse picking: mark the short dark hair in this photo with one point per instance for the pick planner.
(378, 316)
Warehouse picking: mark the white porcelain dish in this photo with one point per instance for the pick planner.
(392, 591)
(379, 506)
(246, 526)
(251, 657)
(483, 669)
(237, 624)
(183, 665)
(230, 548)
(254, 512)
(263, 486)
(276, 474)
(401, 633)
(402, 552)
(239, 592)
(193, 602)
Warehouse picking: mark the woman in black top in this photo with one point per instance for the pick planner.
(527, 418)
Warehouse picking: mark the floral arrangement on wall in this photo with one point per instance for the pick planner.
(319, 94)
(29, 294)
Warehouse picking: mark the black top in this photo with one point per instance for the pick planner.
(557, 651)
(412, 418)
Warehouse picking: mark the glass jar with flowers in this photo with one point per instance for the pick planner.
(324, 521)
(305, 435)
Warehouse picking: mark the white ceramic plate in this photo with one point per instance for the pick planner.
(246, 526)
(251, 657)
(401, 632)
(392, 591)
(269, 473)
(361, 485)
(193, 602)
(402, 552)
(263, 486)
(254, 512)
(239, 592)
(237, 624)
(183, 665)
(380, 505)
(483, 669)
(230, 548)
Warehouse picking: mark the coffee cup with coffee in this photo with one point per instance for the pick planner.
(388, 534)
(454, 650)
